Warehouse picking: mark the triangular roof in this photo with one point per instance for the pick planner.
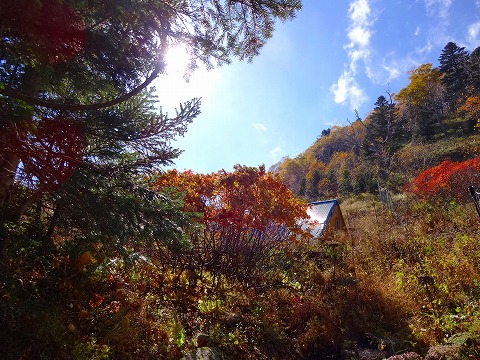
(320, 211)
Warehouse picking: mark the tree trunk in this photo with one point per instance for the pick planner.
(8, 167)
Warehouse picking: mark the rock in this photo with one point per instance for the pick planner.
(459, 339)
(371, 354)
(349, 350)
(204, 353)
(406, 356)
(443, 352)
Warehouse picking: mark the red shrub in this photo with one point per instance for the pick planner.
(448, 179)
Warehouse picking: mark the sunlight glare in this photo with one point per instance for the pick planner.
(177, 60)
(172, 86)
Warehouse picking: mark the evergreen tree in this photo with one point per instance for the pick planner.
(78, 125)
(473, 68)
(302, 187)
(382, 138)
(453, 66)
(378, 128)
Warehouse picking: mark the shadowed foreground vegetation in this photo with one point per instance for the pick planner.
(405, 280)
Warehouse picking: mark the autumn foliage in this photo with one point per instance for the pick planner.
(449, 178)
(471, 108)
(247, 197)
(247, 219)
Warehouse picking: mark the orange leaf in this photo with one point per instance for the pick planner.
(83, 314)
(96, 300)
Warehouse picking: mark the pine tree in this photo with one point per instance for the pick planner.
(473, 68)
(453, 66)
(78, 125)
(382, 138)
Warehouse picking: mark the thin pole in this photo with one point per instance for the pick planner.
(476, 199)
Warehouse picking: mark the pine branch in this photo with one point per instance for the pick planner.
(81, 107)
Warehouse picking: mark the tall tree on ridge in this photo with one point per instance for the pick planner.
(473, 69)
(380, 141)
(453, 66)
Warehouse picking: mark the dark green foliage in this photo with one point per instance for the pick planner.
(302, 188)
(383, 138)
(453, 64)
(473, 70)
(380, 120)
(326, 132)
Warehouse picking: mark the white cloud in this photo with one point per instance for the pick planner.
(440, 8)
(346, 88)
(359, 11)
(357, 97)
(425, 49)
(358, 50)
(259, 127)
(360, 36)
(340, 89)
(392, 71)
(276, 153)
(438, 34)
(393, 66)
(473, 35)
(417, 31)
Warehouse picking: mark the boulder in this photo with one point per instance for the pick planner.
(204, 353)
(371, 354)
(444, 352)
(406, 356)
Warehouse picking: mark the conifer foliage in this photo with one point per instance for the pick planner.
(74, 98)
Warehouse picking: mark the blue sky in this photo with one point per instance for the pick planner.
(333, 58)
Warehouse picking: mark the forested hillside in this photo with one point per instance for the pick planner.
(434, 118)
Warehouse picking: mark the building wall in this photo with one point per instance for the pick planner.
(335, 224)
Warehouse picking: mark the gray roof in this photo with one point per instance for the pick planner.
(320, 211)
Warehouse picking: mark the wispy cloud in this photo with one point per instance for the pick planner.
(424, 49)
(473, 35)
(276, 153)
(392, 66)
(438, 8)
(440, 11)
(346, 89)
(259, 127)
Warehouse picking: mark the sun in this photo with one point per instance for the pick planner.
(173, 87)
(177, 60)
